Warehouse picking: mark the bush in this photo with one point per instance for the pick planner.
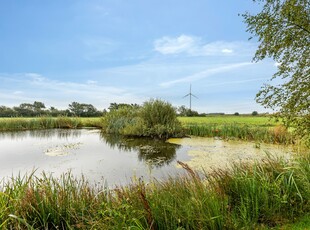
(155, 118)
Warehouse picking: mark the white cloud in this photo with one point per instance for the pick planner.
(17, 92)
(227, 51)
(35, 76)
(194, 46)
(237, 82)
(61, 93)
(205, 74)
(91, 82)
(168, 45)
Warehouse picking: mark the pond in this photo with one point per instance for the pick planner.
(117, 160)
(98, 157)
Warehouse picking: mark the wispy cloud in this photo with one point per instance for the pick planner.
(205, 74)
(169, 45)
(194, 46)
(237, 82)
(38, 87)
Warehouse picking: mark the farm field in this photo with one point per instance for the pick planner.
(261, 121)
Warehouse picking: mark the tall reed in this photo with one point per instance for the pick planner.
(276, 134)
(15, 124)
(268, 194)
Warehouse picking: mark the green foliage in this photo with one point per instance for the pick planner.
(155, 118)
(185, 112)
(15, 124)
(261, 121)
(283, 31)
(115, 106)
(248, 128)
(258, 196)
(265, 193)
(83, 110)
(277, 135)
(254, 113)
(38, 109)
(123, 120)
(157, 112)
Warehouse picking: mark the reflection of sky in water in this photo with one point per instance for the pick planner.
(86, 151)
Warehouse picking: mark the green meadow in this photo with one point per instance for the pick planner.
(262, 121)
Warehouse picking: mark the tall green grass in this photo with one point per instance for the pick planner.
(276, 134)
(262, 121)
(14, 124)
(264, 195)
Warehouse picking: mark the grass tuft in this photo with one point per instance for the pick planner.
(270, 194)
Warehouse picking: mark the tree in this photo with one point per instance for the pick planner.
(185, 112)
(254, 113)
(283, 31)
(25, 110)
(115, 106)
(83, 110)
(6, 112)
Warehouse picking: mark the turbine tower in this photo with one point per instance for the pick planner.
(190, 97)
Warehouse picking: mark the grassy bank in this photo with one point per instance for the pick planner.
(16, 124)
(267, 195)
(248, 128)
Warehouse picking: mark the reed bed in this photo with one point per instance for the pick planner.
(276, 135)
(16, 124)
(258, 196)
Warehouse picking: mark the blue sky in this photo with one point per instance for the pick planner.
(103, 51)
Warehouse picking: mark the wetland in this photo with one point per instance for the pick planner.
(115, 159)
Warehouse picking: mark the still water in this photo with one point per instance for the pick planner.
(100, 158)
(117, 160)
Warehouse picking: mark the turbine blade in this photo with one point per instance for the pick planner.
(194, 96)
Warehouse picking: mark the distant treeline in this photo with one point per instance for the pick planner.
(76, 109)
(36, 109)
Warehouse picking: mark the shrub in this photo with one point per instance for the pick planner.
(116, 121)
(155, 118)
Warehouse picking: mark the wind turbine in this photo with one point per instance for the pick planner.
(190, 97)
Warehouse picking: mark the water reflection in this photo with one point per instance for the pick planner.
(154, 152)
